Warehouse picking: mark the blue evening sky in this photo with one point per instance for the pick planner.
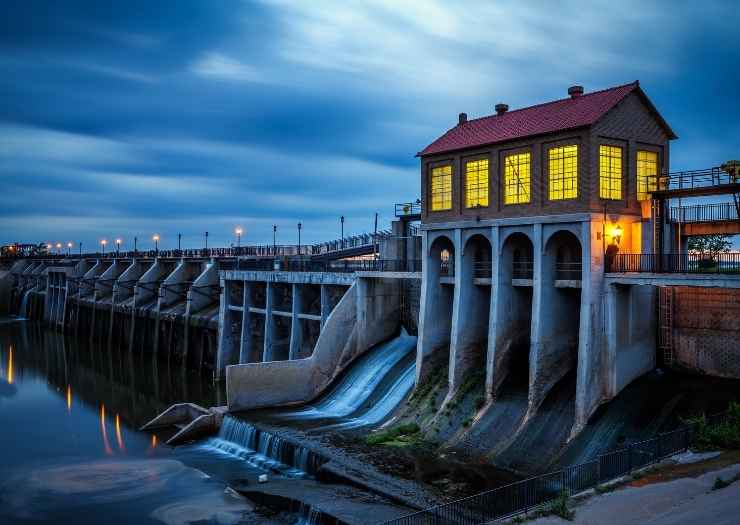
(133, 117)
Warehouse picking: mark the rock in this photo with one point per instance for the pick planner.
(262, 478)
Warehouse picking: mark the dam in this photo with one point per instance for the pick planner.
(541, 284)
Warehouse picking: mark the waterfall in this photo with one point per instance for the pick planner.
(309, 515)
(264, 450)
(24, 304)
(360, 381)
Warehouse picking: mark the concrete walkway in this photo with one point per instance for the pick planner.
(684, 501)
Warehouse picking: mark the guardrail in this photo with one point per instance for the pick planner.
(721, 263)
(518, 498)
(568, 270)
(726, 211)
(341, 266)
(683, 180)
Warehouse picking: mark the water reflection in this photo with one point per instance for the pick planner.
(69, 399)
(10, 365)
(119, 437)
(106, 443)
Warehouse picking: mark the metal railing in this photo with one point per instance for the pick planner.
(482, 269)
(522, 270)
(568, 270)
(726, 211)
(338, 266)
(447, 268)
(522, 496)
(684, 180)
(721, 263)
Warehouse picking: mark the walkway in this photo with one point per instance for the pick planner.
(684, 501)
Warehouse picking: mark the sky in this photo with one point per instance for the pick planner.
(123, 119)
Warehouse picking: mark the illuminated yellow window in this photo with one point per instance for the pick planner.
(563, 169)
(610, 172)
(517, 178)
(476, 183)
(647, 174)
(442, 188)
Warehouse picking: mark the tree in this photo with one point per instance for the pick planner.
(710, 244)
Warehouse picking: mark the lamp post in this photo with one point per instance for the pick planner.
(103, 243)
(49, 247)
(299, 237)
(59, 248)
(274, 239)
(69, 248)
(80, 248)
(155, 238)
(238, 232)
(206, 241)
(118, 246)
(341, 220)
(179, 241)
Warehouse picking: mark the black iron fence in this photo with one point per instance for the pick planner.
(722, 263)
(726, 211)
(520, 497)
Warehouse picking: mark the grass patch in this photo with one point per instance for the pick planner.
(723, 435)
(720, 483)
(401, 435)
(605, 489)
(560, 507)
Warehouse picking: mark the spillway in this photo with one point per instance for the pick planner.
(368, 392)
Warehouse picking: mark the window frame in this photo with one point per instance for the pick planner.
(516, 153)
(564, 175)
(610, 176)
(430, 178)
(658, 161)
(465, 189)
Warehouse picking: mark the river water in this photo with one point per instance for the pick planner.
(70, 451)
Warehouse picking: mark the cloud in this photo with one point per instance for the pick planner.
(218, 66)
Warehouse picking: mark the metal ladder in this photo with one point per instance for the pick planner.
(666, 301)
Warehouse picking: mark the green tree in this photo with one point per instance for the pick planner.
(710, 244)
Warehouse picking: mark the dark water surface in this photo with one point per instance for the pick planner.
(70, 451)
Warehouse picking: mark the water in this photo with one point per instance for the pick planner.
(70, 451)
(369, 391)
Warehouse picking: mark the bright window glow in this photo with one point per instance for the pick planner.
(442, 188)
(517, 178)
(563, 168)
(610, 172)
(647, 174)
(476, 183)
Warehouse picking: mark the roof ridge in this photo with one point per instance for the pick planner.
(635, 83)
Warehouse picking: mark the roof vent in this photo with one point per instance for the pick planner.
(501, 108)
(575, 91)
(462, 118)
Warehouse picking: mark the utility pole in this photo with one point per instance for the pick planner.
(136, 240)
(206, 240)
(375, 238)
(80, 248)
(179, 239)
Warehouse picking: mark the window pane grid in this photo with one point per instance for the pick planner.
(610, 172)
(517, 178)
(647, 174)
(442, 188)
(563, 168)
(476, 183)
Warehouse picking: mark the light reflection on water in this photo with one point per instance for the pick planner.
(70, 451)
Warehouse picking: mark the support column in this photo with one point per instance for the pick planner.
(325, 307)
(296, 334)
(268, 354)
(538, 330)
(224, 331)
(495, 355)
(246, 345)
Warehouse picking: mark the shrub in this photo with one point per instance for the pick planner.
(409, 429)
(560, 507)
(720, 483)
(725, 434)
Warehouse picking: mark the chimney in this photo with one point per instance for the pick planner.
(575, 91)
(462, 118)
(501, 108)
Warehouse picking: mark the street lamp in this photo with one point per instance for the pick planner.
(206, 241)
(155, 238)
(238, 232)
(69, 248)
(118, 246)
(299, 237)
(49, 247)
(274, 239)
(59, 248)
(103, 243)
(341, 219)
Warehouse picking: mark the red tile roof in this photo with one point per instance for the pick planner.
(550, 117)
